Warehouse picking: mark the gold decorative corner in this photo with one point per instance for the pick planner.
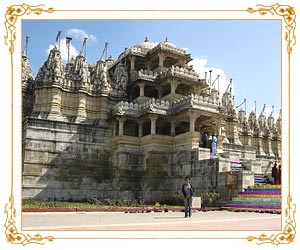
(289, 232)
(289, 16)
(13, 235)
(11, 231)
(11, 17)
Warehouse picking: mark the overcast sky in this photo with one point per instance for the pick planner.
(248, 51)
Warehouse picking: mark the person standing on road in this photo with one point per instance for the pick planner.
(187, 191)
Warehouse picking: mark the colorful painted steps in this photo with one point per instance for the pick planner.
(261, 193)
(260, 180)
(236, 166)
(257, 198)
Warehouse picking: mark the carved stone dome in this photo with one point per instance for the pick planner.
(145, 46)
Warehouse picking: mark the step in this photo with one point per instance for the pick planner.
(254, 199)
(262, 193)
(276, 196)
(260, 203)
(253, 206)
(259, 210)
(257, 198)
(236, 166)
(267, 186)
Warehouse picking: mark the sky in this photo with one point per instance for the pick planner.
(246, 51)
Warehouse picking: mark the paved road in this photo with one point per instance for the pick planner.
(119, 221)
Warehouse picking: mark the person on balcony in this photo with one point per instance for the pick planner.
(204, 140)
(214, 141)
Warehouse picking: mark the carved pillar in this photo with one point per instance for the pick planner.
(153, 119)
(132, 62)
(246, 137)
(140, 128)
(220, 131)
(260, 146)
(114, 128)
(193, 118)
(269, 149)
(159, 93)
(56, 101)
(142, 88)
(173, 87)
(232, 130)
(277, 147)
(249, 138)
(259, 143)
(172, 128)
(121, 121)
(55, 106)
(81, 111)
(38, 101)
(161, 58)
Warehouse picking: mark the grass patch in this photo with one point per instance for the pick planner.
(91, 203)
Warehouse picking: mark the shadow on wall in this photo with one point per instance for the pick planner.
(67, 161)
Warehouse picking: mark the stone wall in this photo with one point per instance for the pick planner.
(66, 160)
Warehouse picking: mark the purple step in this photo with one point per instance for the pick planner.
(253, 206)
(264, 189)
(260, 193)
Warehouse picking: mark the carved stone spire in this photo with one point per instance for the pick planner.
(100, 77)
(242, 117)
(27, 87)
(262, 121)
(27, 73)
(81, 70)
(270, 120)
(278, 123)
(52, 71)
(227, 101)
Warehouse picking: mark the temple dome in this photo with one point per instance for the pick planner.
(146, 45)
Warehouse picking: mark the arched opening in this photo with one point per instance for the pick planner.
(166, 90)
(117, 129)
(131, 128)
(146, 127)
(163, 126)
(135, 93)
(182, 127)
(184, 89)
(151, 91)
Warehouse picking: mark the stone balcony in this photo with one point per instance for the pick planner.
(196, 102)
(182, 73)
(158, 106)
(131, 109)
(147, 75)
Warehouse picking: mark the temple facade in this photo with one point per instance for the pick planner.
(131, 128)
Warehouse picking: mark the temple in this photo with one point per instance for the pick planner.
(131, 128)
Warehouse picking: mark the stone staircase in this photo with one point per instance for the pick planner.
(257, 198)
